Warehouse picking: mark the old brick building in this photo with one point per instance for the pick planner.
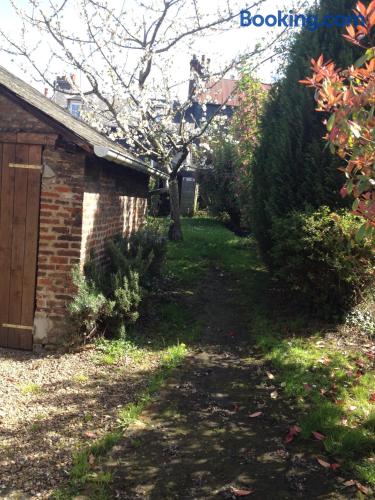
(64, 190)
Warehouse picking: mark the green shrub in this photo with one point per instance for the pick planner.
(220, 185)
(89, 308)
(127, 296)
(315, 254)
(108, 298)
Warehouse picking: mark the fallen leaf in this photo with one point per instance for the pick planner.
(231, 334)
(270, 375)
(324, 361)
(349, 483)
(323, 463)
(293, 432)
(90, 434)
(241, 492)
(91, 459)
(274, 395)
(339, 401)
(256, 414)
(236, 407)
(307, 387)
(318, 436)
(360, 363)
(362, 488)
(335, 466)
(372, 398)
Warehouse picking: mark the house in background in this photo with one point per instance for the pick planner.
(221, 93)
(65, 96)
(64, 190)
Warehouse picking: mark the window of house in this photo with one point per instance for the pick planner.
(75, 109)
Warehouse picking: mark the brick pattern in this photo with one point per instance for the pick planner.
(60, 232)
(110, 208)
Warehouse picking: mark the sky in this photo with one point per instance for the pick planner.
(218, 47)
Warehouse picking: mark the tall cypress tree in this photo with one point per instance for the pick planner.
(292, 169)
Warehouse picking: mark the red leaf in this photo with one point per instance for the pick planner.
(242, 493)
(318, 436)
(293, 432)
(256, 414)
(361, 8)
(323, 463)
(335, 466)
(307, 387)
(236, 407)
(372, 398)
(295, 429)
(351, 31)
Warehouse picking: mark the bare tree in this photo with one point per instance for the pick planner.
(126, 55)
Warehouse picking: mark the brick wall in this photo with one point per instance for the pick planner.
(60, 238)
(115, 202)
(84, 201)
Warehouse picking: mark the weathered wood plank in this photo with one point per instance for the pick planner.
(31, 242)
(28, 138)
(18, 242)
(6, 231)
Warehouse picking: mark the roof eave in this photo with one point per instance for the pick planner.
(128, 161)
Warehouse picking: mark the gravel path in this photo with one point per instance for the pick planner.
(52, 404)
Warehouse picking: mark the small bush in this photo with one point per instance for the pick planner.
(315, 254)
(108, 299)
(89, 308)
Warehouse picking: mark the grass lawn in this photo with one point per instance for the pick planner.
(330, 386)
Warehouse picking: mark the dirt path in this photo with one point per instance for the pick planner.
(197, 441)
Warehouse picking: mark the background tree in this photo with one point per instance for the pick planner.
(226, 184)
(293, 170)
(126, 53)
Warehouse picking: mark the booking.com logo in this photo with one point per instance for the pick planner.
(292, 20)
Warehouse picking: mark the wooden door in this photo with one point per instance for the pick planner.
(20, 178)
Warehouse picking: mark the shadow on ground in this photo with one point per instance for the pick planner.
(198, 440)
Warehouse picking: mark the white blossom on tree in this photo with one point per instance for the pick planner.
(128, 54)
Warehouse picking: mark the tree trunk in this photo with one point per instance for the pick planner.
(175, 231)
